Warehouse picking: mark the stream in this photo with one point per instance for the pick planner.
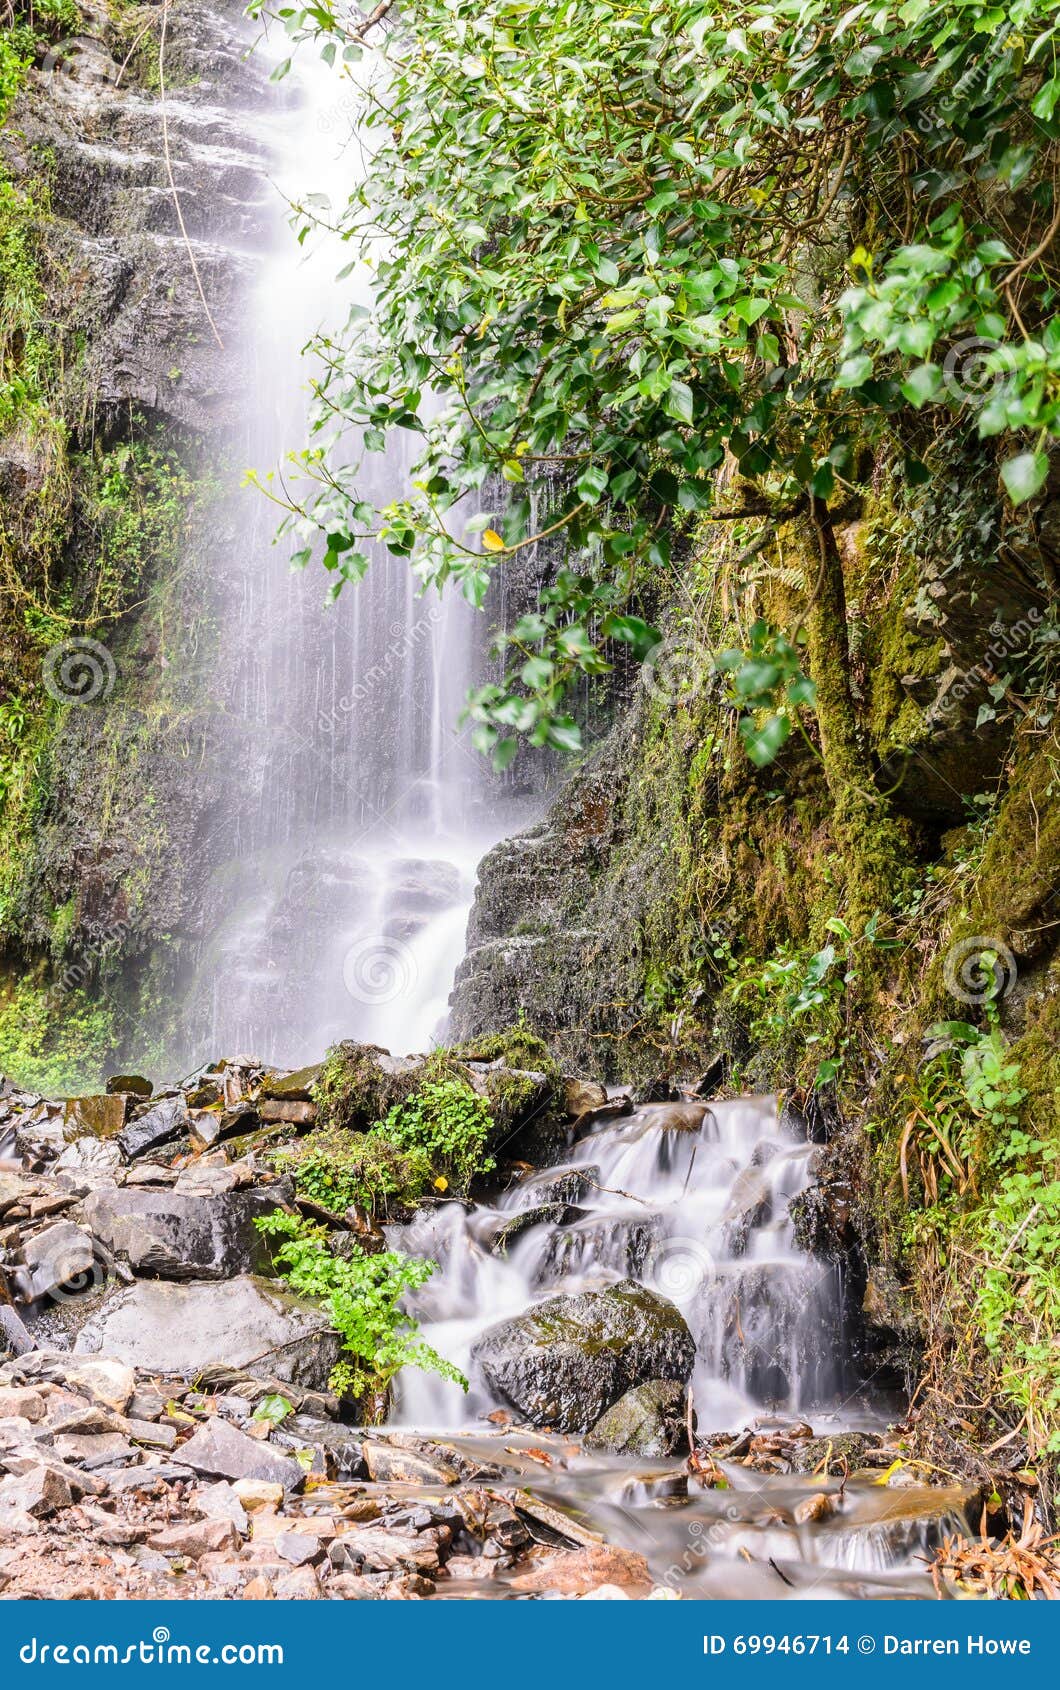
(699, 1213)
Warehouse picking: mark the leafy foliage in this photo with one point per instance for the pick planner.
(622, 245)
(363, 1296)
(358, 1170)
(449, 1124)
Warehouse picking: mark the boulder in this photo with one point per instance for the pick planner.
(221, 1451)
(245, 1322)
(90, 1160)
(648, 1421)
(295, 1111)
(517, 1097)
(580, 1572)
(292, 1088)
(161, 1124)
(582, 1096)
(131, 1085)
(94, 1117)
(682, 1117)
(510, 1230)
(565, 1361)
(553, 1185)
(168, 1234)
(60, 1255)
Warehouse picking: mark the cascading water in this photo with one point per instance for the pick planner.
(693, 1203)
(344, 874)
(699, 1213)
(342, 879)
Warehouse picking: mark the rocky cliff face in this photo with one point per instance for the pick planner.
(125, 361)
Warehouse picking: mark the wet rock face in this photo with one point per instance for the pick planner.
(176, 1235)
(648, 1421)
(245, 1323)
(565, 1361)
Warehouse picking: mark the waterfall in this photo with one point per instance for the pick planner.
(356, 810)
(699, 1214)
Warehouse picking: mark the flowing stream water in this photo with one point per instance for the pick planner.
(700, 1213)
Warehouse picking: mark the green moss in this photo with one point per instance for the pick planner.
(56, 1043)
(353, 1091)
(516, 1047)
(358, 1170)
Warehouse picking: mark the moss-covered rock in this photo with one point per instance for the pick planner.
(649, 1422)
(566, 1360)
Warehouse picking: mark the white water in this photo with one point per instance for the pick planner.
(344, 868)
(700, 1216)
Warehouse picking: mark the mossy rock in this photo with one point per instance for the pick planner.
(565, 1361)
(297, 1087)
(359, 1084)
(649, 1421)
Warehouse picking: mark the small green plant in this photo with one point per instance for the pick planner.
(274, 1409)
(800, 989)
(767, 685)
(1018, 1300)
(358, 1170)
(363, 1296)
(449, 1123)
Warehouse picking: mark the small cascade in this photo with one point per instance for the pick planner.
(697, 1212)
(693, 1203)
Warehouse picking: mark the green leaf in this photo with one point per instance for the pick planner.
(592, 484)
(763, 743)
(922, 384)
(1024, 476)
(273, 1408)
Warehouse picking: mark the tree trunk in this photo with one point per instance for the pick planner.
(869, 840)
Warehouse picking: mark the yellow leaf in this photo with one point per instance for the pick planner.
(885, 1478)
(441, 1183)
(493, 542)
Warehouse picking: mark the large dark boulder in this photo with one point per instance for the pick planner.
(565, 1361)
(165, 1234)
(161, 1124)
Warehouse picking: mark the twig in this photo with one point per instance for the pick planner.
(169, 173)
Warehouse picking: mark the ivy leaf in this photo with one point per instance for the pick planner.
(922, 384)
(763, 743)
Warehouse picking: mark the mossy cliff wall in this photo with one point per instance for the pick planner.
(119, 428)
(680, 914)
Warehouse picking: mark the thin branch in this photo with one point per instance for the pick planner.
(172, 180)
